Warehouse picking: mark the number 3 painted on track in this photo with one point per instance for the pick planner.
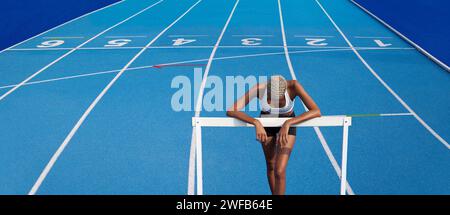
(251, 41)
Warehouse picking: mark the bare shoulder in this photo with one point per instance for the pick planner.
(292, 84)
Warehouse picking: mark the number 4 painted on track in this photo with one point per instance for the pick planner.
(182, 41)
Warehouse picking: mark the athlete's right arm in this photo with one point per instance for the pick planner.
(235, 112)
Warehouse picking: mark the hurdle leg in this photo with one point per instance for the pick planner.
(198, 157)
(344, 160)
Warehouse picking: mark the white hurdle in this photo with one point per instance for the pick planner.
(324, 121)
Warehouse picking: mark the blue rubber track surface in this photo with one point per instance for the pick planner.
(133, 142)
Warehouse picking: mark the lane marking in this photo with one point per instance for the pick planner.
(379, 114)
(316, 129)
(188, 35)
(64, 37)
(198, 107)
(331, 157)
(181, 62)
(73, 50)
(313, 36)
(252, 35)
(382, 44)
(421, 121)
(69, 137)
(285, 46)
(159, 66)
(373, 37)
(130, 36)
(423, 51)
(208, 47)
(63, 24)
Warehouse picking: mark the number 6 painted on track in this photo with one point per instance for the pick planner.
(50, 43)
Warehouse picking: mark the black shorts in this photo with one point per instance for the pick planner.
(273, 131)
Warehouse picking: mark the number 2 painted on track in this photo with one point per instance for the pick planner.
(316, 41)
(50, 43)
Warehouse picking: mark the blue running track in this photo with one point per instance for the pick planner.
(79, 114)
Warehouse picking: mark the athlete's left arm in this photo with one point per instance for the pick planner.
(313, 111)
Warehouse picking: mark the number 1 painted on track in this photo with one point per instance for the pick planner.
(382, 44)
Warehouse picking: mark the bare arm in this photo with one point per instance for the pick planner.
(235, 111)
(313, 109)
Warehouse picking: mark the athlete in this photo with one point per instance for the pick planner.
(276, 98)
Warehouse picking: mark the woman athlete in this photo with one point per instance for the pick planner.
(276, 100)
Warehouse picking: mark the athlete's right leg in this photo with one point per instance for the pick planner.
(269, 148)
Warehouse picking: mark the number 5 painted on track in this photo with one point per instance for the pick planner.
(117, 43)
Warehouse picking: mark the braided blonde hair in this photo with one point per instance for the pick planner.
(277, 86)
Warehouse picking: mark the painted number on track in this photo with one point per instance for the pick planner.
(50, 43)
(117, 43)
(182, 41)
(251, 41)
(316, 41)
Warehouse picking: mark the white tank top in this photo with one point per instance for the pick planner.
(265, 106)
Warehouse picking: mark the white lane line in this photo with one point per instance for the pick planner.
(82, 48)
(331, 157)
(285, 46)
(313, 36)
(129, 36)
(165, 64)
(69, 137)
(62, 78)
(181, 62)
(70, 21)
(363, 115)
(373, 37)
(252, 35)
(73, 50)
(208, 47)
(316, 129)
(421, 121)
(423, 51)
(396, 114)
(64, 37)
(188, 35)
(208, 65)
(199, 106)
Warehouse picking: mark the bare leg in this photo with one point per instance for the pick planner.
(269, 148)
(282, 157)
